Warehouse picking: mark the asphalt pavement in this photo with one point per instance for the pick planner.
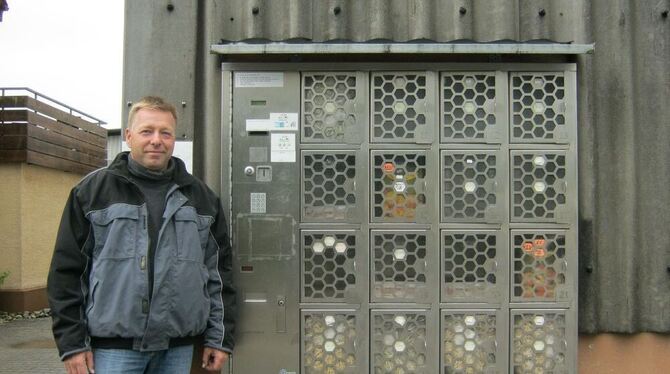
(27, 346)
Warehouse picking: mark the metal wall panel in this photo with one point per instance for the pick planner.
(160, 56)
(624, 169)
(402, 20)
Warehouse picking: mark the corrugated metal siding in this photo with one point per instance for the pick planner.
(625, 169)
(624, 91)
(624, 113)
(404, 20)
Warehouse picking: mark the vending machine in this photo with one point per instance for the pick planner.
(402, 218)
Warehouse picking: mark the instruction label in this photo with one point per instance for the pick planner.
(259, 79)
(282, 147)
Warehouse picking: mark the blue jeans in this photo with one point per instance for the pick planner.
(175, 360)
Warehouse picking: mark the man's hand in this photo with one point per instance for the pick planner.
(80, 363)
(213, 359)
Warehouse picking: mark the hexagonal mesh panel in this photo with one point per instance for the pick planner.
(398, 186)
(398, 342)
(328, 100)
(539, 267)
(539, 344)
(328, 265)
(329, 343)
(397, 106)
(470, 271)
(468, 185)
(469, 343)
(538, 106)
(327, 187)
(399, 266)
(468, 105)
(539, 185)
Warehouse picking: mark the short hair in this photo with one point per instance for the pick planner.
(153, 103)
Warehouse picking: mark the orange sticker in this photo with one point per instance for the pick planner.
(540, 242)
(388, 167)
(527, 246)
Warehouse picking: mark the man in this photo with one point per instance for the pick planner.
(142, 263)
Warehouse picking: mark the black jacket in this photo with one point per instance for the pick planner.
(98, 281)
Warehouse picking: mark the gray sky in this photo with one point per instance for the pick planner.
(69, 50)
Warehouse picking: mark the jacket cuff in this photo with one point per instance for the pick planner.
(67, 354)
(224, 349)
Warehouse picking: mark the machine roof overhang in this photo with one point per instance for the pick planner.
(507, 48)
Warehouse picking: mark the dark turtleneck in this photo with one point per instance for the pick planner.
(154, 185)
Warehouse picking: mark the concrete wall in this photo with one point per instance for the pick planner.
(32, 199)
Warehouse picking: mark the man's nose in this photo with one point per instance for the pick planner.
(155, 138)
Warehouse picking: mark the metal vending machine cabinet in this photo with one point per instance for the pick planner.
(394, 218)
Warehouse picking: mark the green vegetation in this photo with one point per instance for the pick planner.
(3, 275)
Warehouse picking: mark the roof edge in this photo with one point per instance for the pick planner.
(241, 48)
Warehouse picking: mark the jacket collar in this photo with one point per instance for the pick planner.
(120, 167)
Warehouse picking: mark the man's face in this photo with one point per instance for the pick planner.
(151, 138)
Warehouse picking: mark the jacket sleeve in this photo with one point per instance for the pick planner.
(223, 309)
(67, 280)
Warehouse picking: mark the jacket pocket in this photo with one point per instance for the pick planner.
(115, 302)
(190, 309)
(115, 230)
(192, 233)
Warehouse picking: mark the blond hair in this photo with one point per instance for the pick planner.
(153, 103)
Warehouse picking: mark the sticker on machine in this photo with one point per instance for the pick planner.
(285, 121)
(282, 147)
(246, 79)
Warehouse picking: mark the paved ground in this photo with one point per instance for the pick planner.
(27, 346)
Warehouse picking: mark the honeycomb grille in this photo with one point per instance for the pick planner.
(468, 185)
(470, 267)
(398, 106)
(328, 106)
(469, 343)
(328, 180)
(328, 265)
(329, 340)
(468, 106)
(399, 342)
(538, 106)
(398, 186)
(539, 267)
(539, 185)
(539, 343)
(399, 263)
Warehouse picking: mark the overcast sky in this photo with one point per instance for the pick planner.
(69, 50)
